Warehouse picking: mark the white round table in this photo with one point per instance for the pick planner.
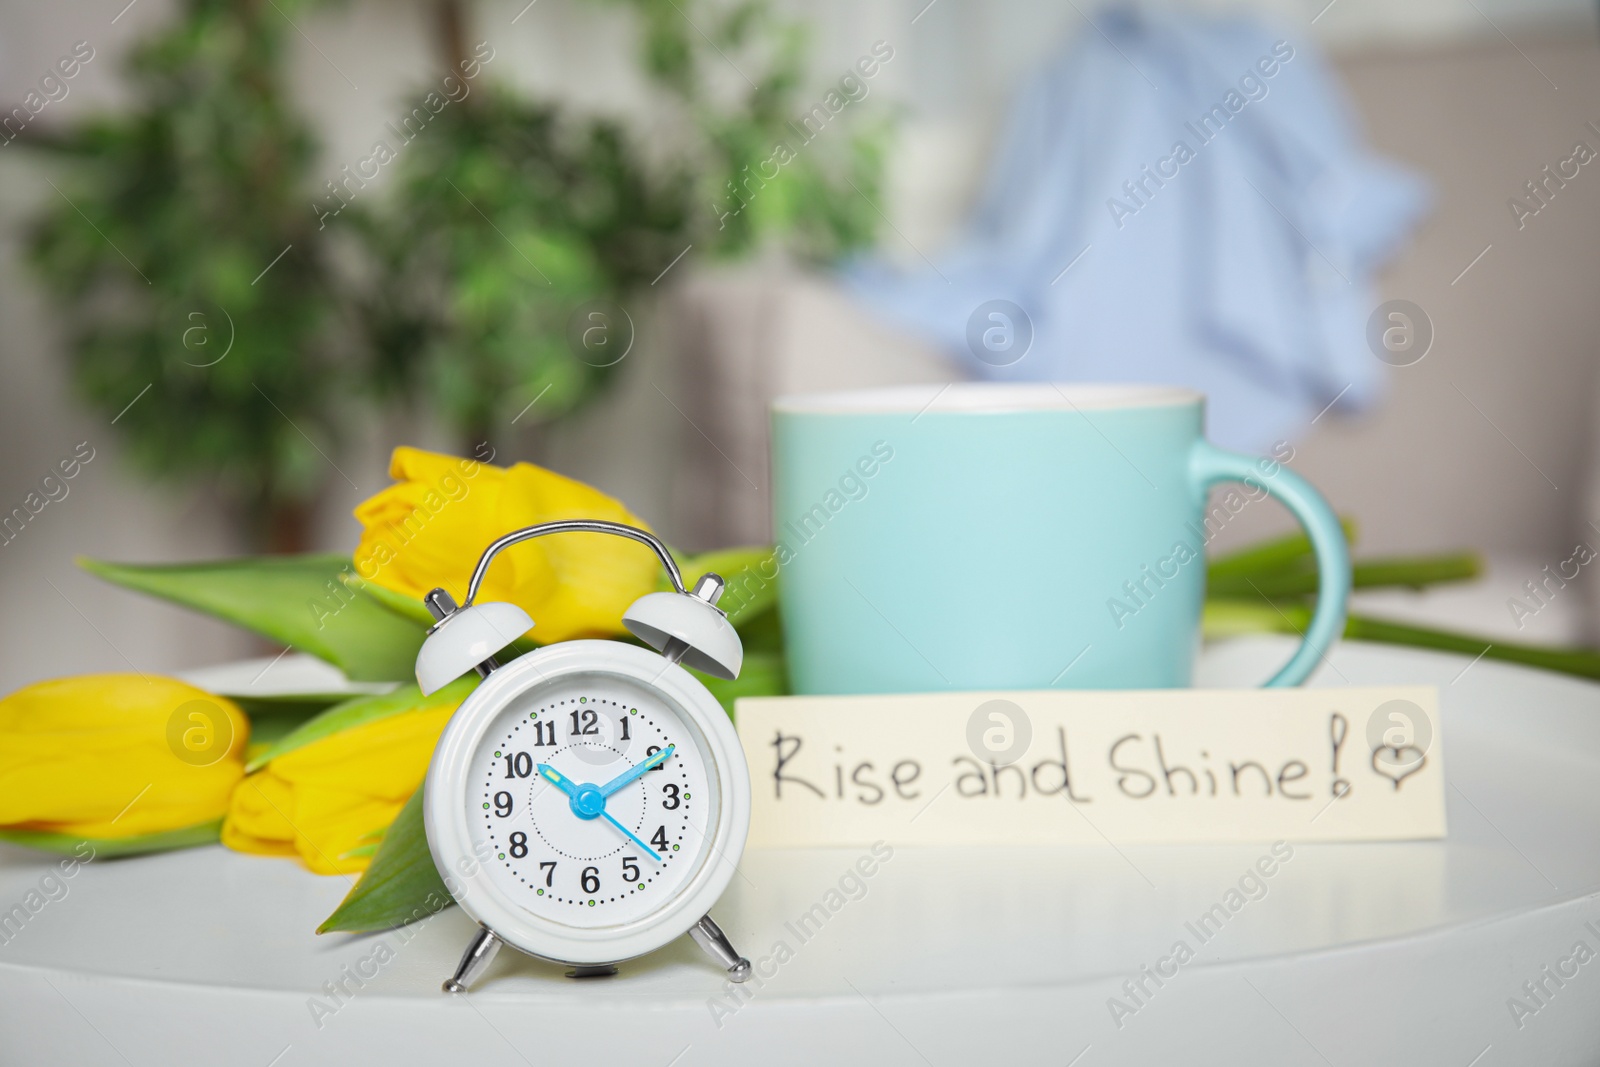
(1359, 954)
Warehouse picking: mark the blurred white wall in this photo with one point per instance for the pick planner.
(956, 63)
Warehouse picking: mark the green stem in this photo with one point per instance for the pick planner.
(1285, 553)
(1231, 618)
(1579, 661)
(1415, 572)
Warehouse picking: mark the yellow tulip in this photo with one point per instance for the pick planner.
(327, 801)
(430, 529)
(108, 756)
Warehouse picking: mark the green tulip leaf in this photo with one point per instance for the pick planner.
(110, 847)
(762, 634)
(271, 720)
(298, 600)
(406, 607)
(763, 675)
(291, 706)
(361, 710)
(401, 886)
(410, 608)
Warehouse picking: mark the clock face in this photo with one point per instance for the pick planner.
(588, 802)
(592, 799)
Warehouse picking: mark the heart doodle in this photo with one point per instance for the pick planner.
(1398, 768)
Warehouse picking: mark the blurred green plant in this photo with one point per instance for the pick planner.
(190, 246)
(199, 311)
(819, 196)
(505, 220)
(517, 226)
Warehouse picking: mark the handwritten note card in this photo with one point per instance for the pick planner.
(1061, 767)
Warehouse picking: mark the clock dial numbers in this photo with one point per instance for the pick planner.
(580, 831)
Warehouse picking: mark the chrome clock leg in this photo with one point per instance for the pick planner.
(473, 962)
(709, 936)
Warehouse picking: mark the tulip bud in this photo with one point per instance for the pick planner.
(430, 529)
(330, 801)
(108, 756)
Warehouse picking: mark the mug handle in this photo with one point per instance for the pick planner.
(1209, 465)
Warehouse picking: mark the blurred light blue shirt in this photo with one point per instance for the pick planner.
(1181, 199)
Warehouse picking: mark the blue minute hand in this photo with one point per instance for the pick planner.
(648, 851)
(557, 779)
(633, 773)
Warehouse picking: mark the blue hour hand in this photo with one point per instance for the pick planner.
(634, 773)
(557, 779)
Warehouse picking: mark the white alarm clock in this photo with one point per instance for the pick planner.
(596, 789)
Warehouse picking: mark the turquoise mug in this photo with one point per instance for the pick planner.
(1013, 536)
